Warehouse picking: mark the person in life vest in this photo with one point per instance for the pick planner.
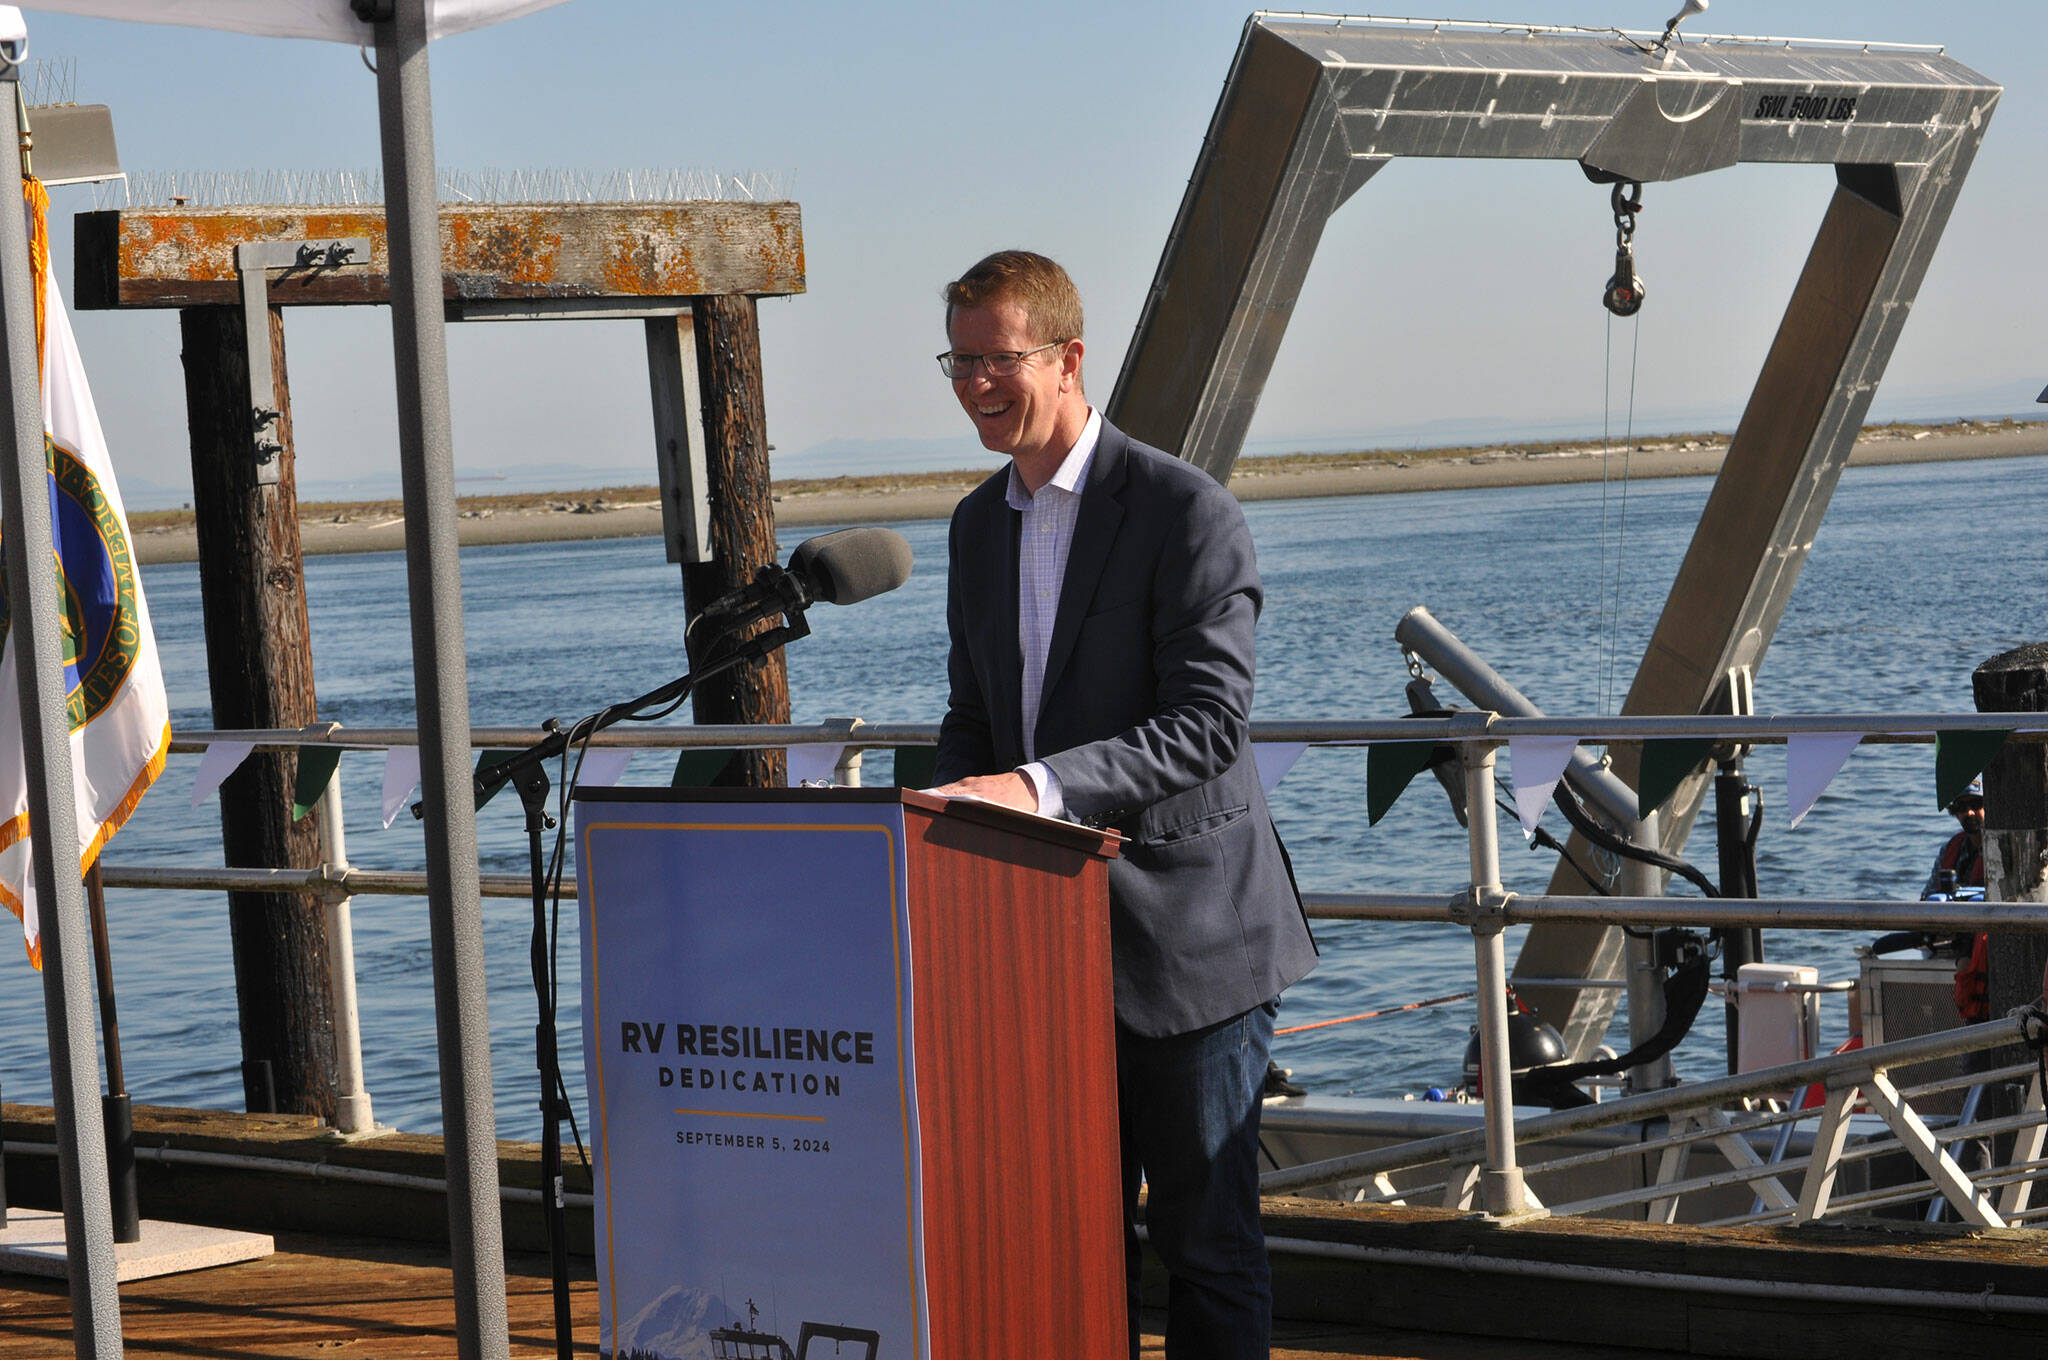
(1961, 861)
(1961, 865)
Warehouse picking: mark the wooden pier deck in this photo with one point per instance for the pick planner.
(364, 1299)
(362, 1269)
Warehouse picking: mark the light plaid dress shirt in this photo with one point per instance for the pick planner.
(1044, 539)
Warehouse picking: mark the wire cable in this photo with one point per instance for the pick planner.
(1628, 440)
(1606, 462)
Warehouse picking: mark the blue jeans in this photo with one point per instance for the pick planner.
(1189, 1107)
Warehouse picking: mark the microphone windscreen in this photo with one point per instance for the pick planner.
(850, 565)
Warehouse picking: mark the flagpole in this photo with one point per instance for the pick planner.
(25, 534)
(440, 674)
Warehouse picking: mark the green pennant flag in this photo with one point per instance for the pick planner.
(1666, 764)
(484, 763)
(1389, 767)
(917, 767)
(316, 767)
(1960, 757)
(699, 767)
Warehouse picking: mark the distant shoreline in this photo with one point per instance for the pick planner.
(633, 512)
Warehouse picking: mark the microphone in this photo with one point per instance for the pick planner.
(851, 565)
(843, 567)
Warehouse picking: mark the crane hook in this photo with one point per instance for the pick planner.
(1624, 293)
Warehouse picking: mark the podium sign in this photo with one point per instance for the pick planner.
(852, 1077)
(747, 1032)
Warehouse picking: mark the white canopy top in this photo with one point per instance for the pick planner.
(333, 20)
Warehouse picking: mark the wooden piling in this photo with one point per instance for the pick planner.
(742, 520)
(260, 668)
(2015, 825)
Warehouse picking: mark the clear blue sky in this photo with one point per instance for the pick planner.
(1447, 296)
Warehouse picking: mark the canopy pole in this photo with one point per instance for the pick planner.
(440, 677)
(25, 535)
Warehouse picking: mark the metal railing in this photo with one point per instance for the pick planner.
(1484, 1167)
(1674, 1125)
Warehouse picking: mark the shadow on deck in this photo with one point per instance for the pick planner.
(1349, 1280)
(363, 1299)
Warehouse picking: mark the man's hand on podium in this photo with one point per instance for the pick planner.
(1010, 790)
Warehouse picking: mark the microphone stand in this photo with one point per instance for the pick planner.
(773, 593)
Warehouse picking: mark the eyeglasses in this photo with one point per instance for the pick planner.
(1002, 364)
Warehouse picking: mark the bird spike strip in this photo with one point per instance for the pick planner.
(49, 81)
(359, 188)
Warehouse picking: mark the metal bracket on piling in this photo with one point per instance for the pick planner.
(253, 262)
(680, 453)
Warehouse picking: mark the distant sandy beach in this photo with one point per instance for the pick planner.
(633, 512)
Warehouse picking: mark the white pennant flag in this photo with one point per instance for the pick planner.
(401, 774)
(1539, 763)
(222, 759)
(808, 763)
(1812, 759)
(602, 766)
(1275, 759)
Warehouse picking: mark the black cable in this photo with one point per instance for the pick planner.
(1684, 992)
(546, 965)
(1539, 839)
(570, 780)
(1567, 800)
(659, 714)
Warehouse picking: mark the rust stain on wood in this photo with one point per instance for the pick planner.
(518, 251)
(185, 257)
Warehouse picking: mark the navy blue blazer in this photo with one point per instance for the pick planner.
(1145, 719)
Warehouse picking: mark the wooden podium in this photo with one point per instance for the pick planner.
(738, 963)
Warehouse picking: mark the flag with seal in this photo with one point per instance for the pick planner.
(120, 717)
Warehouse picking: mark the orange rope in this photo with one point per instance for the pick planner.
(1374, 1015)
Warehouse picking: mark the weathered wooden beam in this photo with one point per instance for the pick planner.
(657, 253)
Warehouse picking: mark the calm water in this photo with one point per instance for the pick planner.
(1902, 597)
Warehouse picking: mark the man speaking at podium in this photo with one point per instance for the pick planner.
(1101, 603)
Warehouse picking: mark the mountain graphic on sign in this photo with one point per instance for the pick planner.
(675, 1325)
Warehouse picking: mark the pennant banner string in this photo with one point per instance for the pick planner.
(317, 765)
(401, 777)
(1389, 767)
(222, 758)
(1812, 759)
(1275, 759)
(603, 767)
(809, 764)
(1539, 762)
(1960, 757)
(1666, 764)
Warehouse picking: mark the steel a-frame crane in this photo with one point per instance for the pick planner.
(1315, 106)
